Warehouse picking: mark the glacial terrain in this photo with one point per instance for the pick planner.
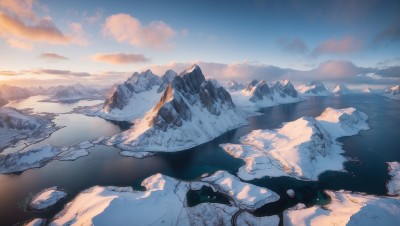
(200, 154)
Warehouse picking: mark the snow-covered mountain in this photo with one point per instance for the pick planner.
(393, 93)
(303, 148)
(259, 94)
(191, 111)
(13, 92)
(315, 88)
(67, 93)
(11, 118)
(234, 86)
(341, 90)
(131, 99)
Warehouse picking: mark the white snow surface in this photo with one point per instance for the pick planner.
(302, 149)
(36, 222)
(163, 202)
(393, 186)
(137, 106)
(242, 100)
(393, 93)
(202, 128)
(246, 196)
(47, 198)
(246, 218)
(313, 89)
(31, 158)
(349, 209)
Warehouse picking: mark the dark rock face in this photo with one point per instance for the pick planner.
(188, 89)
(233, 85)
(260, 91)
(317, 87)
(14, 119)
(251, 85)
(285, 89)
(166, 80)
(137, 83)
(119, 98)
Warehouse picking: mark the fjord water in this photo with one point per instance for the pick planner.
(366, 172)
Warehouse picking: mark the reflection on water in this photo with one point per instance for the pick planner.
(104, 165)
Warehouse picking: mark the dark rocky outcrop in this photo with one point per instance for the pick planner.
(186, 90)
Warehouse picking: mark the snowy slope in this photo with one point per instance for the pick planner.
(70, 93)
(314, 89)
(393, 93)
(246, 196)
(162, 203)
(302, 149)
(393, 185)
(11, 118)
(46, 198)
(191, 111)
(13, 92)
(133, 98)
(258, 94)
(349, 209)
(341, 90)
(234, 86)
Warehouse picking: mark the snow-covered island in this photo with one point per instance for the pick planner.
(393, 93)
(163, 202)
(39, 156)
(47, 198)
(259, 94)
(393, 185)
(23, 126)
(191, 111)
(349, 209)
(315, 88)
(302, 149)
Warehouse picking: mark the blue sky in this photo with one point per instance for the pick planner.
(108, 40)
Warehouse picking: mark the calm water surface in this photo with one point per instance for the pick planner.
(104, 165)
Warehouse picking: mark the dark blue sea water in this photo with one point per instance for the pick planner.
(367, 173)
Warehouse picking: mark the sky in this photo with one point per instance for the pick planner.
(48, 42)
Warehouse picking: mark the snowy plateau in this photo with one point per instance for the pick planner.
(164, 202)
(302, 149)
(349, 209)
(46, 198)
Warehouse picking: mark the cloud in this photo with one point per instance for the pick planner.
(295, 46)
(329, 71)
(389, 34)
(22, 25)
(345, 45)
(119, 58)
(52, 56)
(64, 73)
(15, 43)
(125, 28)
(19, 8)
(8, 73)
(78, 36)
(43, 31)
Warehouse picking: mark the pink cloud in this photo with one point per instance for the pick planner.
(119, 58)
(125, 28)
(52, 56)
(43, 31)
(15, 43)
(346, 45)
(21, 9)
